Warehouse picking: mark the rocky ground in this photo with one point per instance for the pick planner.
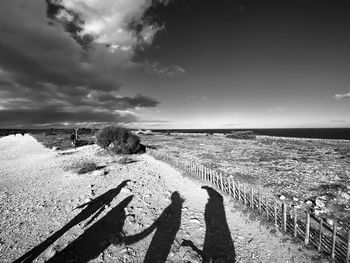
(306, 172)
(126, 210)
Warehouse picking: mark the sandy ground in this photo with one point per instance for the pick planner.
(144, 211)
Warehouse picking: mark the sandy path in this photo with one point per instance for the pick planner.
(134, 221)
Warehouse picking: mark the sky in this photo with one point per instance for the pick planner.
(174, 64)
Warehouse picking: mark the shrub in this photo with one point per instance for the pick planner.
(120, 140)
(241, 135)
(110, 134)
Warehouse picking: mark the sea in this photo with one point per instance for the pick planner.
(319, 133)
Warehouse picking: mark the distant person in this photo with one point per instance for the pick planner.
(73, 137)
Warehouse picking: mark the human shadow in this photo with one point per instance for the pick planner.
(167, 225)
(95, 207)
(218, 244)
(108, 230)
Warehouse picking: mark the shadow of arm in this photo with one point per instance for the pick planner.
(136, 238)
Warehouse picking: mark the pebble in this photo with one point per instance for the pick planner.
(195, 221)
(329, 221)
(320, 203)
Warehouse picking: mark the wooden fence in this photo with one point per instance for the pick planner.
(299, 223)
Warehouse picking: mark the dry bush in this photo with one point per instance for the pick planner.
(241, 135)
(120, 140)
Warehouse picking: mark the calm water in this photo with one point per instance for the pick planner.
(324, 133)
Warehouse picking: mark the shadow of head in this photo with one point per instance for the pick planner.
(211, 192)
(176, 198)
(115, 191)
(125, 202)
(105, 198)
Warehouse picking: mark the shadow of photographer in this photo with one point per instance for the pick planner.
(96, 239)
(166, 225)
(218, 245)
(95, 207)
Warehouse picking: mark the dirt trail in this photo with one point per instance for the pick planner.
(140, 211)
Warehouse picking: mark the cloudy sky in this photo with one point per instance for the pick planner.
(174, 63)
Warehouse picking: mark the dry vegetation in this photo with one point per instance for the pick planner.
(299, 169)
(60, 139)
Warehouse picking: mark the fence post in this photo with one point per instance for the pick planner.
(348, 248)
(213, 176)
(334, 236)
(207, 173)
(259, 201)
(239, 191)
(284, 216)
(320, 229)
(252, 198)
(229, 186)
(307, 228)
(244, 194)
(221, 183)
(267, 208)
(224, 184)
(234, 189)
(275, 214)
(295, 222)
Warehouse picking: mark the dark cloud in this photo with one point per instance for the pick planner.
(49, 73)
(70, 20)
(34, 117)
(122, 102)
